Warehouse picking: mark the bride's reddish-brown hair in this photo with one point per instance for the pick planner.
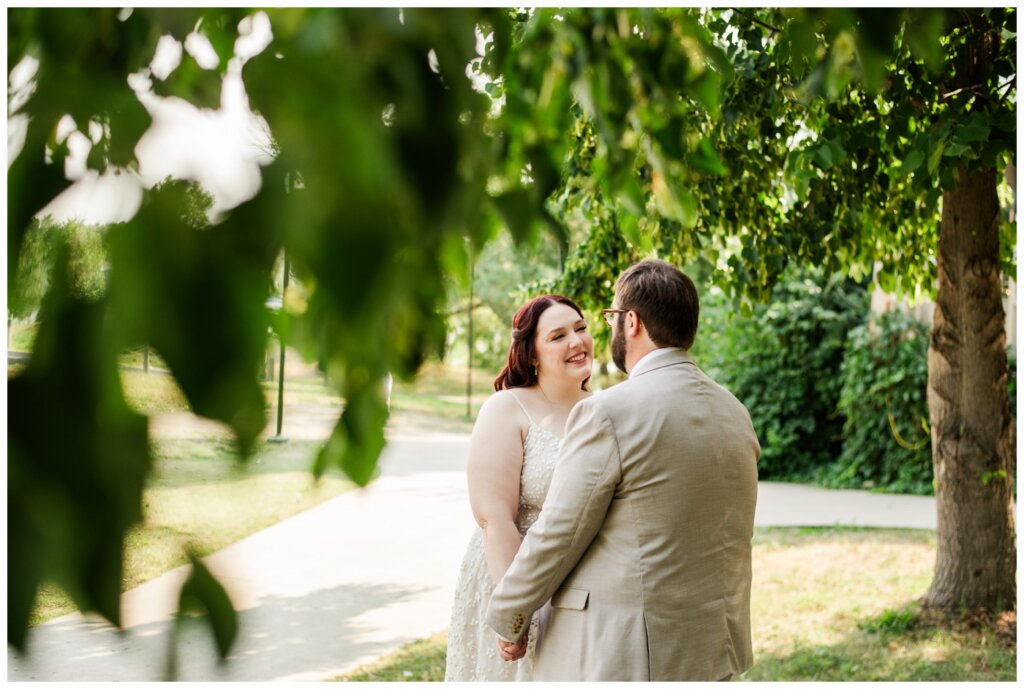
(519, 370)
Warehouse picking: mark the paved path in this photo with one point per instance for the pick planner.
(343, 583)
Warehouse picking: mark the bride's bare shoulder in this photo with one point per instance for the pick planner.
(504, 404)
(500, 403)
(501, 408)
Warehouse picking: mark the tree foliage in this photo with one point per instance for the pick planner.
(822, 143)
(378, 181)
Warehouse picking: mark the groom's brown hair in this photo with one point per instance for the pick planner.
(664, 298)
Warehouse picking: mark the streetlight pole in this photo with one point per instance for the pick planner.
(280, 372)
(469, 339)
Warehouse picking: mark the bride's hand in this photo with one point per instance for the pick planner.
(513, 651)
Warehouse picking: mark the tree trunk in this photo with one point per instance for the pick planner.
(973, 434)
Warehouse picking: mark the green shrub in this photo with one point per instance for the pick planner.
(783, 363)
(885, 403)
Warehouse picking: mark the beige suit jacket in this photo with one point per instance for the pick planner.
(644, 541)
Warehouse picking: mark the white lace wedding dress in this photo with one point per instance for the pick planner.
(472, 645)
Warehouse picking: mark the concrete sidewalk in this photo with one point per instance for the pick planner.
(356, 577)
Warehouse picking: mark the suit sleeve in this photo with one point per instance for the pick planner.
(582, 488)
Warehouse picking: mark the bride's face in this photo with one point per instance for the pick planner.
(563, 344)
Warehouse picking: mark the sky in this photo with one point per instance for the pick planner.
(221, 149)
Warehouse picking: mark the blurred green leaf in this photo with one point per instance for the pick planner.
(912, 161)
(955, 150)
(358, 437)
(706, 159)
(975, 129)
(196, 294)
(78, 457)
(706, 91)
(203, 594)
(630, 195)
(517, 209)
(688, 207)
(823, 156)
(803, 45)
(923, 33)
(935, 156)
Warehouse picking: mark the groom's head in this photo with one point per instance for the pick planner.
(664, 301)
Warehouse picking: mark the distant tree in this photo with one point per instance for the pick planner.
(43, 242)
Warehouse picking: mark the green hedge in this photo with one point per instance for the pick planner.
(835, 399)
(884, 399)
(783, 364)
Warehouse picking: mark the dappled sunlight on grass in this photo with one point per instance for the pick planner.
(419, 661)
(926, 654)
(837, 604)
(152, 393)
(813, 583)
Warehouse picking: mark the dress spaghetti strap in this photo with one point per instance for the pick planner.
(522, 406)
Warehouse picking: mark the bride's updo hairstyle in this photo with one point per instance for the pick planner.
(519, 371)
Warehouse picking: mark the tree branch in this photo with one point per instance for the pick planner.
(463, 308)
(979, 89)
(756, 20)
(974, 88)
(1006, 86)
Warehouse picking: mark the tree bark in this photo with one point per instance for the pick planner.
(973, 434)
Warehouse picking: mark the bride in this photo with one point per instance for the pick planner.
(512, 455)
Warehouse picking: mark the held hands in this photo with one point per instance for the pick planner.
(514, 651)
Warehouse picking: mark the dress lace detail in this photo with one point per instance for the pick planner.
(472, 645)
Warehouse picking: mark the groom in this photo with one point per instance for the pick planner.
(643, 544)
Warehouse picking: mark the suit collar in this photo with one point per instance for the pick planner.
(663, 359)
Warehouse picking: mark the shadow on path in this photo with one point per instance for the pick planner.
(323, 632)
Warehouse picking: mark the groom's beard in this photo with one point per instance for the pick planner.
(619, 345)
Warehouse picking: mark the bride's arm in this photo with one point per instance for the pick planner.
(495, 461)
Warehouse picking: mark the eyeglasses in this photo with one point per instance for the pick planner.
(610, 314)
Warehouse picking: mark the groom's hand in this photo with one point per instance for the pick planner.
(513, 651)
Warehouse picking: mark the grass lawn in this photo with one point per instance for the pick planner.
(136, 358)
(420, 661)
(437, 398)
(827, 605)
(152, 393)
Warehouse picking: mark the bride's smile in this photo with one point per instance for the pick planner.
(564, 346)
